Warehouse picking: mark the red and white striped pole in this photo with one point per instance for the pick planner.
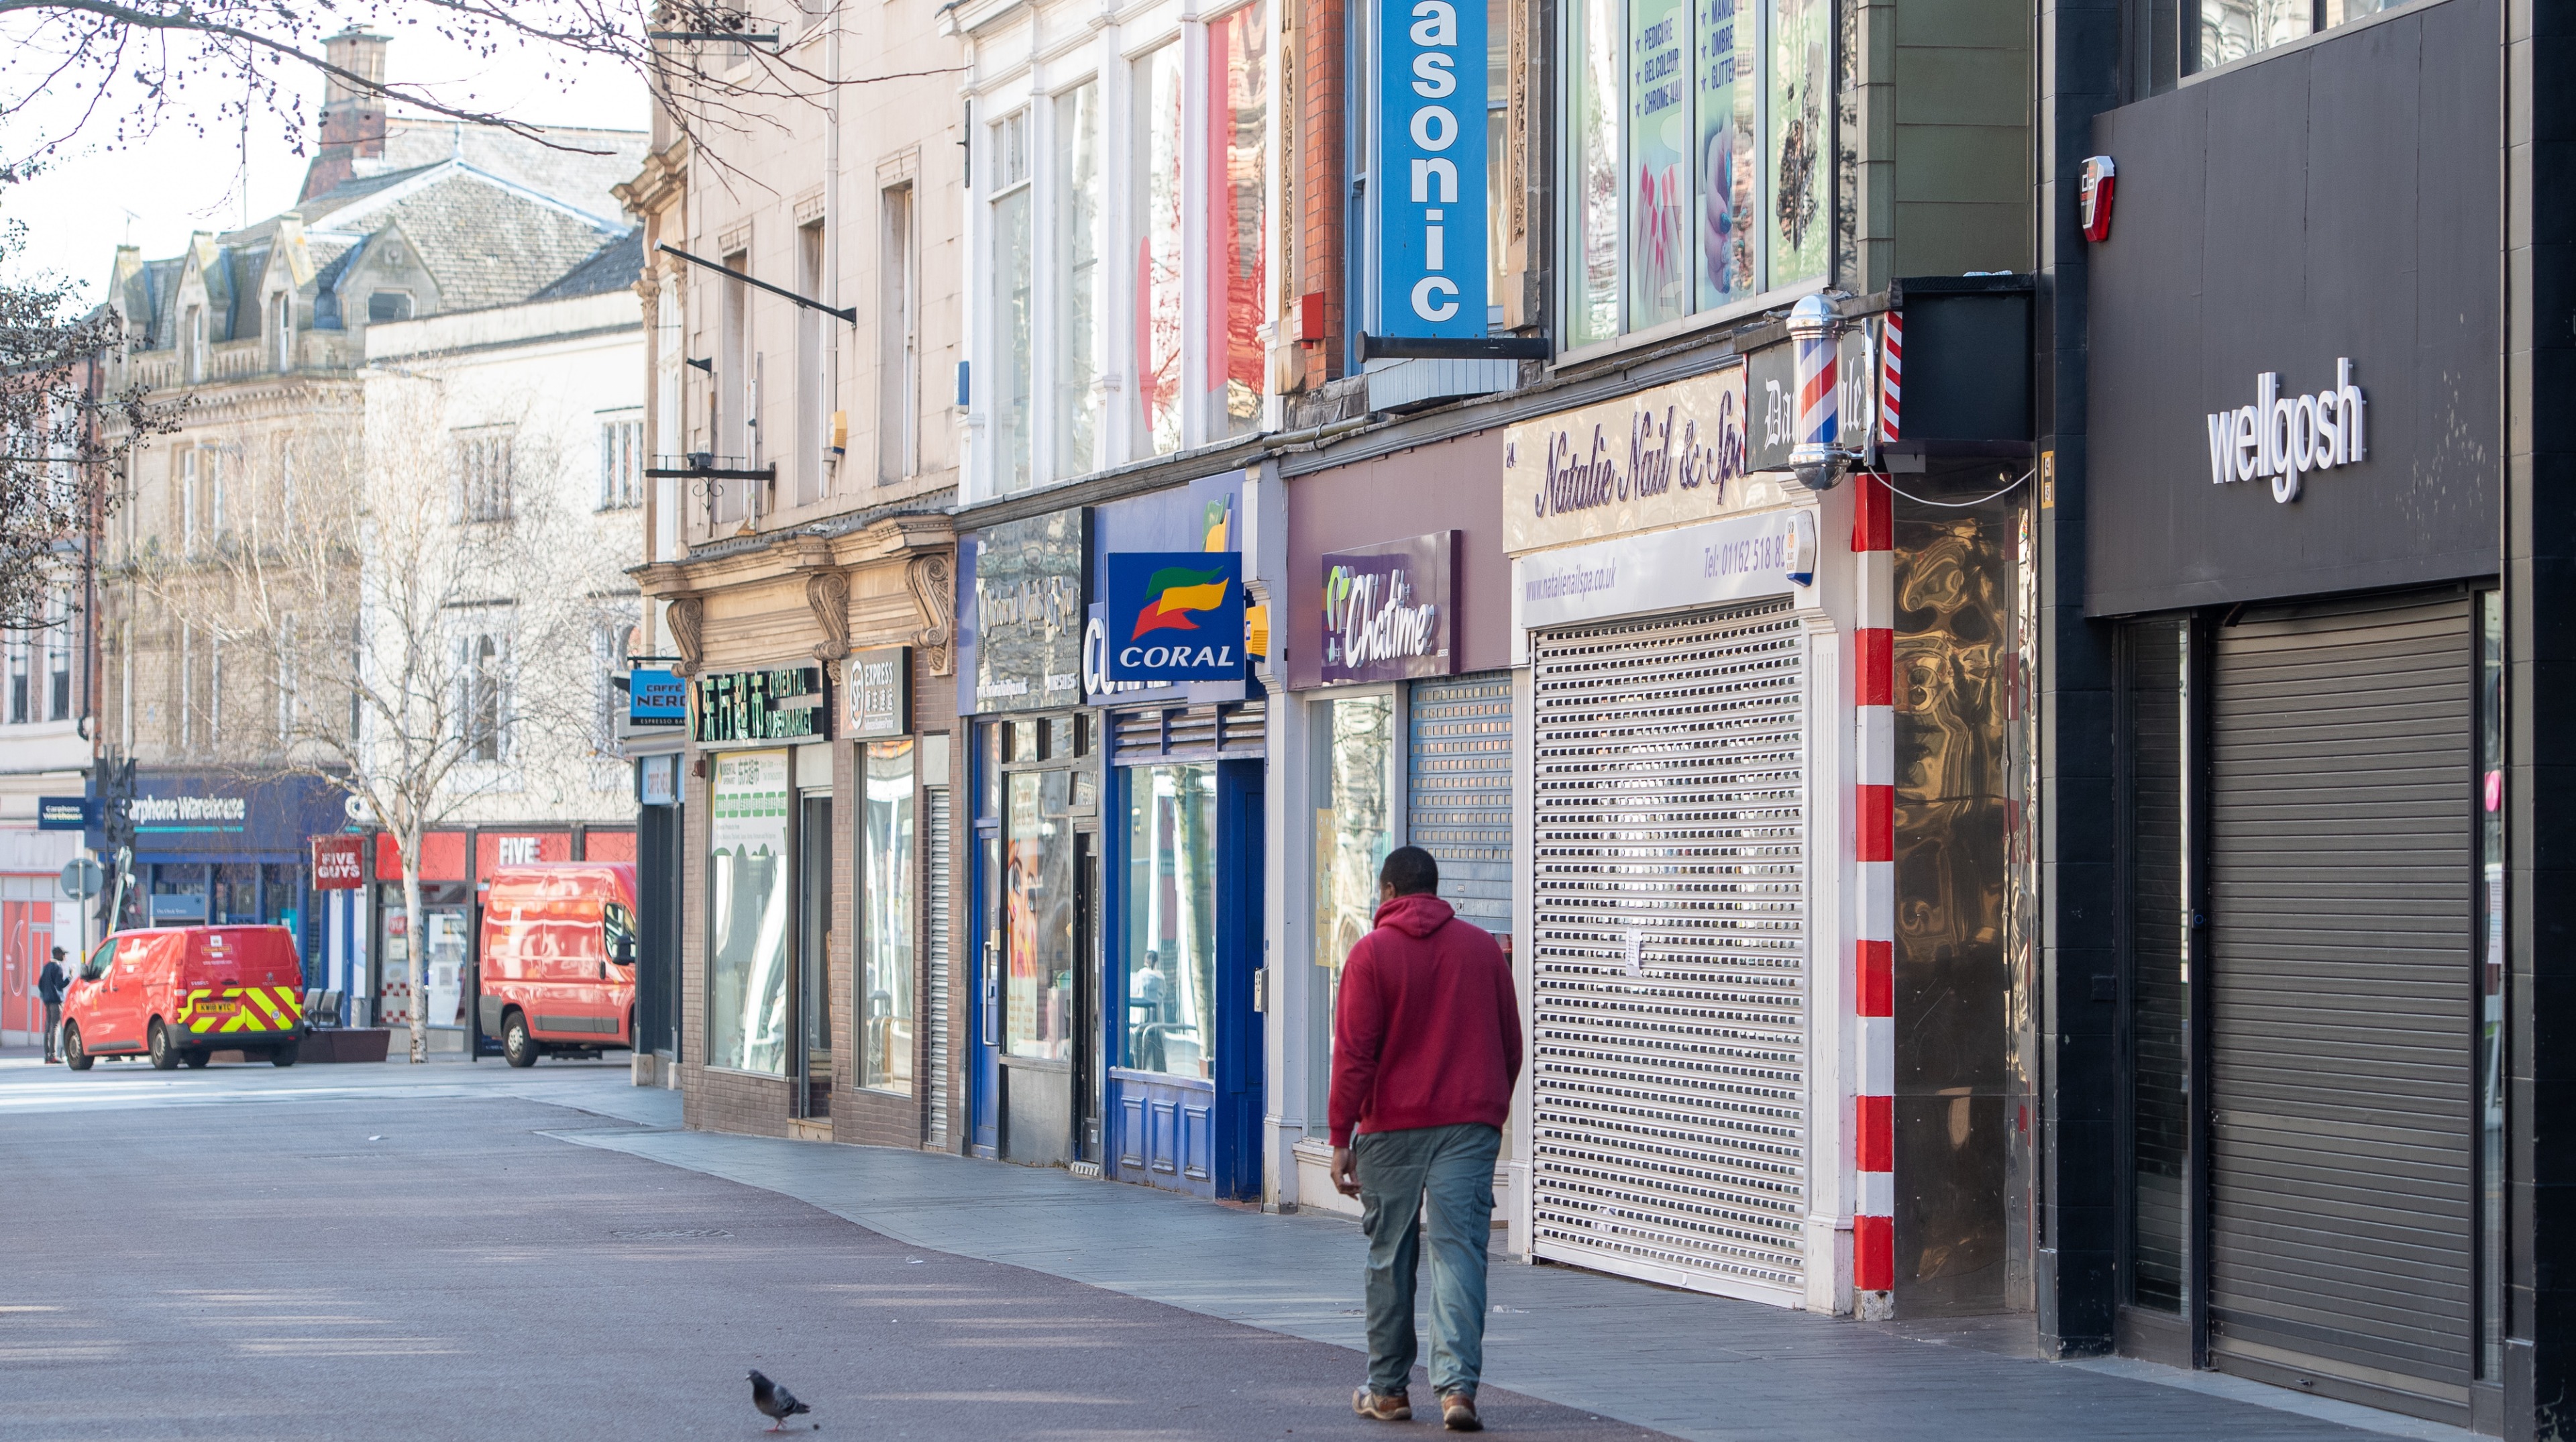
(1874, 830)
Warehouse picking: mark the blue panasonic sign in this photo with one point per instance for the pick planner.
(1429, 170)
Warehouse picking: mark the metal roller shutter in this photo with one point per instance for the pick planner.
(1459, 792)
(1669, 963)
(2341, 864)
(934, 929)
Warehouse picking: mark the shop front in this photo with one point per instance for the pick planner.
(1689, 656)
(218, 848)
(1398, 732)
(2294, 535)
(1120, 786)
(812, 803)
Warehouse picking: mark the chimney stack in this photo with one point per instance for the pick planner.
(353, 114)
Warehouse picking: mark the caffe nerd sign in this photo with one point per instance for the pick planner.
(2281, 438)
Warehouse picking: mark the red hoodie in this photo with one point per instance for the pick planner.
(1427, 1032)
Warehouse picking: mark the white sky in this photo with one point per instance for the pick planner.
(153, 194)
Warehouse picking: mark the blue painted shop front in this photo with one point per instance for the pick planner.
(1116, 868)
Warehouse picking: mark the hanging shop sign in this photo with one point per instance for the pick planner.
(1740, 558)
(785, 704)
(1029, 609)
(657, 780)
(876, 692)
(339, 863)
(2281, 438)
(1430, 141)
(1660, 457)
(1173, 616)
(1389, 610)
(656, 697)
(62, 813)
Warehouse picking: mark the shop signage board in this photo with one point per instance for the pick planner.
(2281, 438)
(1430, 142)
(181, 814)
(1029, 610)
(876, 692)
(657, 781)
(785, 704)
(656, 696)
(1740, 558)
(1389, 610)
(339, 863)
(1173, 616)
(1662, 457)
(62, 813)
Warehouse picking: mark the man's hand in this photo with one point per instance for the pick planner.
(1346, 1172)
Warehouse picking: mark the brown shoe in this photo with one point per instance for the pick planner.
(1458, 1412)
(1382, 1406)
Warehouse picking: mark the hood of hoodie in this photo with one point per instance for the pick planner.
(1417, 915)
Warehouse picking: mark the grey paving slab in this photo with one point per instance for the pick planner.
(1695, 1366)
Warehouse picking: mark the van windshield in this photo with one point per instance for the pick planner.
(99, 961)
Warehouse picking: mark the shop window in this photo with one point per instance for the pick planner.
(747, 913)
(1037, 902)
(1695, 157)
(1079, 281)
(2490, 986)
(1359, 781)
(898, 337)
(1237, 124)
(888, 915)
(1158, 191)
(1170, 947)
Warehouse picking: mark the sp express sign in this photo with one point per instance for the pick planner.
(1429, 169)
(1174, 616)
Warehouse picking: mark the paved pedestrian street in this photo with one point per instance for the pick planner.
(465, 1251)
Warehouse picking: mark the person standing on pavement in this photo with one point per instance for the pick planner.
(1426, 1049)
(49, 990)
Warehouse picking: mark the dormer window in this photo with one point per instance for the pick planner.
(389, 305)
(281, 325)
(192, 343)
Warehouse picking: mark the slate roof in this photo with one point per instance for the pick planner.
(577, 167)
(612, 267)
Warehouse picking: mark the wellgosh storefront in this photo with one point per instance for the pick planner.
(2295, 528)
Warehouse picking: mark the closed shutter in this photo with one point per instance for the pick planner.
(1669, 963)
(2341, 794)
(1231, 731)
(934, 935)
(1459, 796)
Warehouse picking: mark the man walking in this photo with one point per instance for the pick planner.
(49, 990)
(1426, 1047)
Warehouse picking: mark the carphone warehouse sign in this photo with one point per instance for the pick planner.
(1429, 170)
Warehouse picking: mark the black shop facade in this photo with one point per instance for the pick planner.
(2293, 541)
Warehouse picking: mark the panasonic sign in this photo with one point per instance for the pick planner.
(1429, 170)
(2281, 438)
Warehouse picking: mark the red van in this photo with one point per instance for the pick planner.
(559, 959)
(176, 993)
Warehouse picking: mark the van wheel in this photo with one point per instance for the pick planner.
(73, 1056)
(197, 1056)
(286, 1055)
(518, 1048)
(164, 1056)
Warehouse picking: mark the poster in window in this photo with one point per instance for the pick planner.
(1801, 89)
(1659, 162)
(1728, 157)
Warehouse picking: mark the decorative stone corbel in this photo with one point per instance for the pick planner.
(934, 594)
(827, 594)
(684, 616)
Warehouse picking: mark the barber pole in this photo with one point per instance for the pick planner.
(1891, 375)
(1818, 383)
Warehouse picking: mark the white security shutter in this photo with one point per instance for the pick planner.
(1460, 803)
(1669, 1060)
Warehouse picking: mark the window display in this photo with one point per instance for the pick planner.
(747, 913)
(1358, 783)
(1171, 920)
(1037, 902)
(887, 914)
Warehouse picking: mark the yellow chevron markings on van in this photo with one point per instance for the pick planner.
(242, 1008)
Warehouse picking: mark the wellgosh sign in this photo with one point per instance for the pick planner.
(2282, 438)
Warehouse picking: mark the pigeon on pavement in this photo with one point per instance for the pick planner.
(774, 1401)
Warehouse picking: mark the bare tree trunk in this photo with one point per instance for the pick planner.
(418, 951)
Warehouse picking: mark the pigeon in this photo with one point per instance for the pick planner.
(775, 1402)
